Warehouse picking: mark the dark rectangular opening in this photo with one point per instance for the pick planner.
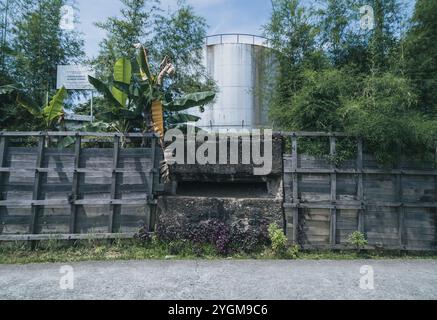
(223, 190)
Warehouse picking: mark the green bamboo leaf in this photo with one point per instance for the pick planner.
(190, 101)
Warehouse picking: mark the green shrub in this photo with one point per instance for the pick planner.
(293, 252)
(278, 240)
(227, 239)
(358, 240)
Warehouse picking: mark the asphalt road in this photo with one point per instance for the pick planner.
(222, 280)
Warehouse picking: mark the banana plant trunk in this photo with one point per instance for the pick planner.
(158, 127)
(158, 118)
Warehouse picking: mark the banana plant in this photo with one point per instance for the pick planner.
(49, 116)
(137, 99)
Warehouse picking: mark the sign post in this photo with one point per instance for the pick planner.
(75, 77)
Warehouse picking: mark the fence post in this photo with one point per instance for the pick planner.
(296, 201)
(75, 187)
(360, 191)
(3, 152)
(333, 229)
(3, 149)
(37, 186)
(401, 210)
(113, 207)
(152, 180)
(153, 171)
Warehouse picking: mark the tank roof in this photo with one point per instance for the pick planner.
(236, 38)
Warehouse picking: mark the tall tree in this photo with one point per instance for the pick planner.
(335, 20)
(134, 25)
(421, 54)
(11, 11)
(181, 37)
(384, 41)
(40, 44)
(347, 43)
(292, 35)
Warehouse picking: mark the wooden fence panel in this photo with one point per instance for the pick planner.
(76, 192)
(394, 208)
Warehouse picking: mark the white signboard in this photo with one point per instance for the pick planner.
(74, 77)
(79, 118)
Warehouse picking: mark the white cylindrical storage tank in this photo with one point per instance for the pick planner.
(237, 63)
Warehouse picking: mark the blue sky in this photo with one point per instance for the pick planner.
(223, 16)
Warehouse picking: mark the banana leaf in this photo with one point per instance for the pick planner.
(180, 118)
(128, 114)
(96, 127)
(123, 71)
(122, 74)
(190, 101)
(28, 104)
(105, 91)
(121, 87)
(66, 142)
(120, 114)
(55, 108)
(8, 89)
(144, 65)
(107, 117)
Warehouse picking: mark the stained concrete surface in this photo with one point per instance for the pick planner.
(222, 280)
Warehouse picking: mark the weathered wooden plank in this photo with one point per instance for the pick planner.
(333, 225)
(113, 208)
(401, 210)
(295, 211)
(37, 185)
(347, 222)
(154, 170)
(39, 237)
(360, 187)
(315, 169)
(3, 152)
(75, 134)
(72, 170)
(67, 202)
(75, 185)
(314, 134)
(323, 206)
(134, 153)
